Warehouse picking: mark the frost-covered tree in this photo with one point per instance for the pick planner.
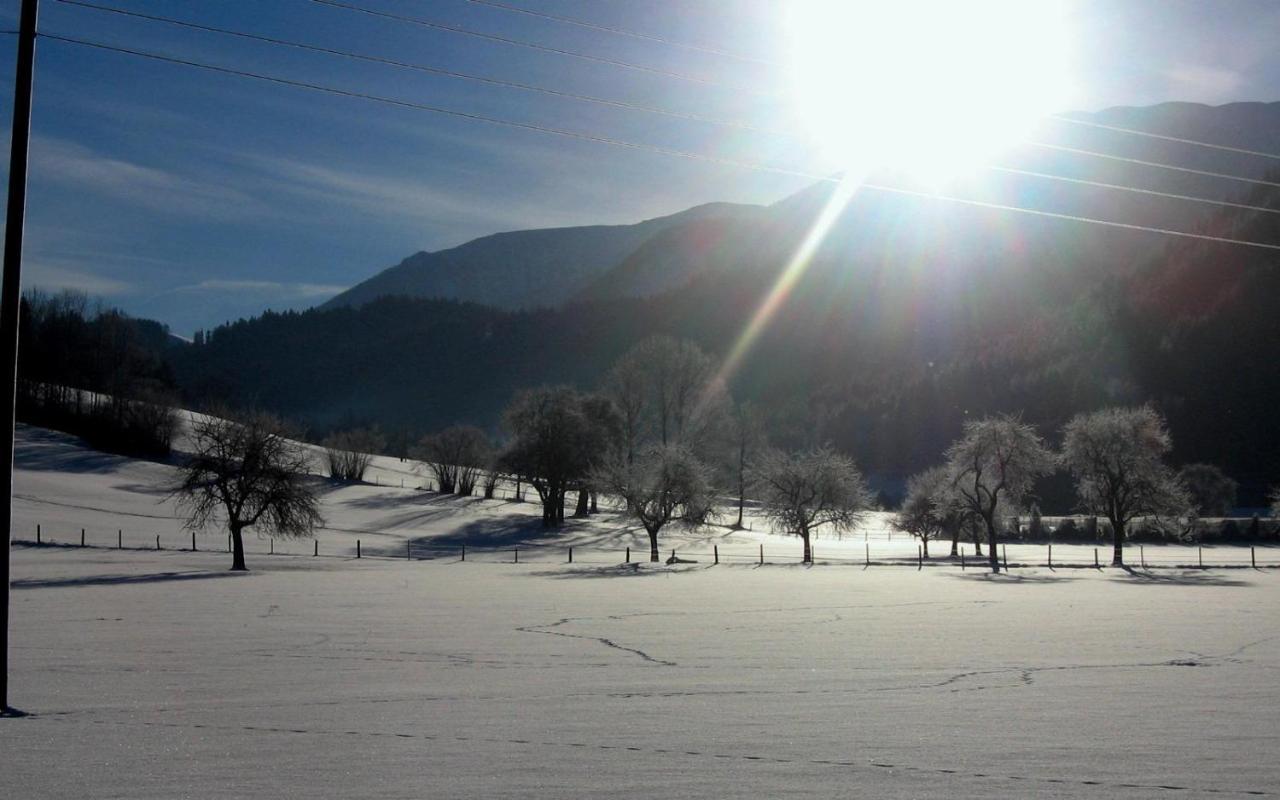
(1212, 491)
(1116, 457)
(664, 388)
(930, 507)
(995, 462)
(662, 484)
(348, 453)
(803, 491)
(244, 468)
(1274, 497)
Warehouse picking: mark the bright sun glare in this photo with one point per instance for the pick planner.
(933, 88)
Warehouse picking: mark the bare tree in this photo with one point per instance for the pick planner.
(1212, 492)
(1116, 456)
(662, 485)
(489, 481)
(804, 491)
(995, 462)
(604, 442)
(456, 456)
(930, 508)
(747, 437)
(348, 453)
(244, 468)
(551, 444)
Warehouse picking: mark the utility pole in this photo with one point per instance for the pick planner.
(10, 299)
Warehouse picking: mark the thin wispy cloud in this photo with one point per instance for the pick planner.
(70, 163)
(40, 274)
(273, 288)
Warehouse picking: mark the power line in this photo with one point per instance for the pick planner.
(1148, 134)
(640, 146)
(426, 23)
(1156, 164)
(600, 100)
(426, 68)
(623, 32)
(1117, 187)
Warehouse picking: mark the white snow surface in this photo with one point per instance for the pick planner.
(160, 674)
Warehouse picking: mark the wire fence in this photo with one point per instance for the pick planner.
(877, 552)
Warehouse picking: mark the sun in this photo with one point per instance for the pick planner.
(933, 88)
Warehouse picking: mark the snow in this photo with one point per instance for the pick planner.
(161, 674)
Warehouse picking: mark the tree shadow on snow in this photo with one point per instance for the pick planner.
(115, 580)
(1176, 578)
(631, 570)
(42, 450)
(1009, 578)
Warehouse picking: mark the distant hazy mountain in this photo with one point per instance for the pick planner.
(522, 269)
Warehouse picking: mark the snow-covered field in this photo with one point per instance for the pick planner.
(161, 674)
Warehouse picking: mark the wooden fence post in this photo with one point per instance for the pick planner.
(357, 548)
(762, 554)
(464, 551)
(1142, 556)
(82, 537)
(628, 554)
(316, 547)
(1050, 556)
(1253, 557)
(1200, 555)
(408, 550)
(1096, 565)
(867, 555)
(119, 539)
(193, 541)
(570, 555)
(715, 549)
(37, 533)
(515, 555)
(271, 543)
(919, 558)
(157, 541)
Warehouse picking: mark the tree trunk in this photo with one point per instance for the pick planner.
(955, 540)
(583, 503)
(742, 486)
(1117, 531)
(595, 508)
(559, 507)
(993, 557)
(653, 546)
(924, 541)
(237, 550)
(808, 552)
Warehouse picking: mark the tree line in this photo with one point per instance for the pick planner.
(663, 435)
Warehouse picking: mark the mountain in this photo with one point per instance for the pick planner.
(521, 269)
(910, 315)
(549, 267)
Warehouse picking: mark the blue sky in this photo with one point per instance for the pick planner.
(193, 197)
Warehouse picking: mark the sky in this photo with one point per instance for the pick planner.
(195, 197)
